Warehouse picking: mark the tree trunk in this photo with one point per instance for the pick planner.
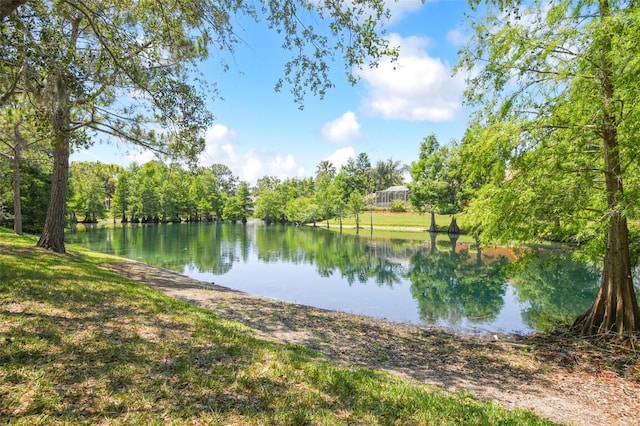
(52, 237)
(433, 227)
(453, 227)
(17, 204)
(616, 307)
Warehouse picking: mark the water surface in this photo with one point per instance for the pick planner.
(435, 281)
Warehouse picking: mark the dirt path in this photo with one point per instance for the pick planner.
(563, 380)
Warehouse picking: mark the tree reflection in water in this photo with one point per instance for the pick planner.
(453, 285)
(555, 287)
(450, 282)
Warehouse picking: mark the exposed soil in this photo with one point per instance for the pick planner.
(568, 380)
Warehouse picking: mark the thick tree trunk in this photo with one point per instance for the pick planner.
(616, 307)
(433, 227)
(52, 237)
(453, 227)
(17, 204)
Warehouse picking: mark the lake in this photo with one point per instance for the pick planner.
(435, 281)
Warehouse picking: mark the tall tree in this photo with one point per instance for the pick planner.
(20, 140)
(434, 186)
(86, 54)
(388, 173)
(358, 174)
(120, 203)
(88, 194)
(325, 168)
(555, 134)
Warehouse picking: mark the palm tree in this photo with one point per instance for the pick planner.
(326, 168)
(388, 173)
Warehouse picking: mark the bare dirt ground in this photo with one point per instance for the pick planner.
(564, 379)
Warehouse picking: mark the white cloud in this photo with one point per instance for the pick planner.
(399, 9)
(341, 156)
(223, 146)
(218, 140)
(345, 129)
(251, 168)
(455, 37)
(140, 156)
(420, 88)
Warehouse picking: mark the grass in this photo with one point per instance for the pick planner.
(398, 220)
(81, 345)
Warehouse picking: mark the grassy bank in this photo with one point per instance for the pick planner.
(385, 219)
(80, 344)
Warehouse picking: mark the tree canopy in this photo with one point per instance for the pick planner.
(554, 135)
(76, 61)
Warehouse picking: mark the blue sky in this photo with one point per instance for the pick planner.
(260, 132)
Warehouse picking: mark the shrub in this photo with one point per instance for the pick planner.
(398, 206)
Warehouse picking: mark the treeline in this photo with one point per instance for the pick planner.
(156, 192)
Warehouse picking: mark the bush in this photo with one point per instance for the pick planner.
(398, 206)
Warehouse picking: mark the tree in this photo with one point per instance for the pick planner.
(83, 55)
(120, 204)
(325, 168)
(232, 210)
(554, 135)
(206, 194)
(227, 181)
(388, 173)
(341, 188)
(270, 206)
(35, 180)
(246, 203)
(355, 206)
(358, 175)
(239, 206)
(433, 186)
(20, 140)
(88, 194)
(302, 210)
(326, 196)
(145, 192)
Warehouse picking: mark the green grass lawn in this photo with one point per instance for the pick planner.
(79, 344)
(399, 220)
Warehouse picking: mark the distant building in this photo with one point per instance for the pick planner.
(391, 194)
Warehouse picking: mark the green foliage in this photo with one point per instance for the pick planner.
(233, 210)
(302, 210)
(35, 183)
(88, 194)
(358, 176)
(543, 170)
(270, 206)
(435, 186)
(388, 173)
(398, 206)
(554, 136)
(355, 205)
(239, 206)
